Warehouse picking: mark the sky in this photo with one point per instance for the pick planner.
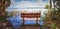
(24, 4)
(29, 5)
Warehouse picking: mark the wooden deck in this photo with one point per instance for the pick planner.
(26, 27)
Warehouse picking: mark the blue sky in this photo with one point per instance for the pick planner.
(30, 0)
(27, 3)
(25, 0)
(21, 4)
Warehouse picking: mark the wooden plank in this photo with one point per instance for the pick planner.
(30, 15)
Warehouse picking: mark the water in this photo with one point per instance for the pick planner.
(28, 22)
(17, 22)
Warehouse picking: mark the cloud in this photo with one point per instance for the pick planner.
(25, 4)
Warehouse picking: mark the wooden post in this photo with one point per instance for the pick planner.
(37, 20)
(23, 20)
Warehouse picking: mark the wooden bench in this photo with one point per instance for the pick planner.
(30, 15)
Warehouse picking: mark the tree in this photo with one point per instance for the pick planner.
(54, 16)
(47, 6)
(3, 5)
(57, 12)
(7, 3)
(48, 21)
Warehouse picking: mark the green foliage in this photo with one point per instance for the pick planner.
(3, 6)
(47, 6)
(2, 19)
(7, 3)
(53, 25)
